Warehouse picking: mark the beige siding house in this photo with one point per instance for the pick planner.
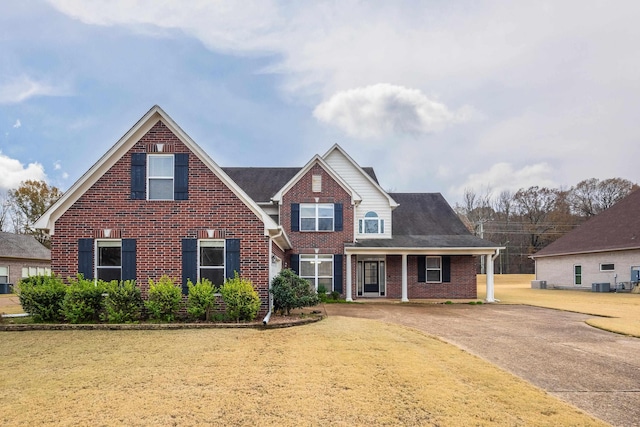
(605, 249)
(21, 256)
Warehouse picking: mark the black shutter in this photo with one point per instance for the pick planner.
(422, 269)
(232, 258)
(85, 258)
(138, 176)
(128, 259)
(337, 272)
(181, 170)
(189, 263)
(337, 212)
(446, 269)
(295, 216)
(295, 263)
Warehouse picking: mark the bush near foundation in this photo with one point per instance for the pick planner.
(164, 299)
(122, 303)
(83, 300)
(42, 297)
(201, 300)
(241, 300)
(291, 291)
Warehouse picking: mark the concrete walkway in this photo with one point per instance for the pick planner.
(594, 370)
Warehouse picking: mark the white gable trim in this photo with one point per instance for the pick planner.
(392, 203)
(124, 144)
(355, 197)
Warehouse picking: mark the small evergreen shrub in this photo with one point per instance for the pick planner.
(42, 297)
(201, 300)
(122, 303)
(164, 299)
(335, 295)
(83, 300)
(241, 300)
(291, 291)
(322, 293)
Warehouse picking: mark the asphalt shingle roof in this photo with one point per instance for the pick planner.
(22, 246)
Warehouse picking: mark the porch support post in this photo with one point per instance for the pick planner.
(489, 269)
(405, 297)
(347, 292)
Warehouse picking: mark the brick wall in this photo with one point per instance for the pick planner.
(160, 226)
(16, 265)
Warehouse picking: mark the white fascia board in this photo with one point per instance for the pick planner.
(534, 256)
(392, 203)
(355, 197)
(422, 251)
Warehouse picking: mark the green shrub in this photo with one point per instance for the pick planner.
(478, 302)
(42, 296)
(290, 291)
(164, 299)
(322, 293)
(335, 295)
(240, 298)
(448, 302)
(83, 300)
(201, 300)
(123, 302)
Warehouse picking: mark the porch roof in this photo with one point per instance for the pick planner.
(430, 244)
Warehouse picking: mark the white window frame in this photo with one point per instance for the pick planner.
(428, 269)
(161, 177)
(316, 260)
(575, 274)
(613, 266)
(218, 243)
(371, 217)
(106, 243)
(316, 217)
(35, 271)
(7, 275)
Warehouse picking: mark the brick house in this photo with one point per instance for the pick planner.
(21, 256)
(157, 204)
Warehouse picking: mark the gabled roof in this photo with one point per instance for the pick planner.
(22, 246)
(47, 221)
(373, 180)
(355, 197)
(617, 228)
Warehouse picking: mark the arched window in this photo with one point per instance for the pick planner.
(371, 224)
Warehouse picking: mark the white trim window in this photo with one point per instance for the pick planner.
(4, 275)
(35, 271)
(317, 270)
(108, 260)
(160, 176)
(211, 258)
(371, 224)
(316, 216)
(609, 266)
(577, 274)
(434, 269)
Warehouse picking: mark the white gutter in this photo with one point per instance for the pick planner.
(269, 300)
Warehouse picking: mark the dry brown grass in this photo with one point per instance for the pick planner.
(621, 310)
(10, 304)
(340, 371)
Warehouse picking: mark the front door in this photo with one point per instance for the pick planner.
(371, 277)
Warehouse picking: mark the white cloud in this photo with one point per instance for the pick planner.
(18, 89)
(57, 165)
(17, 124)
(503, 176)
(382, 109)
(14, 172)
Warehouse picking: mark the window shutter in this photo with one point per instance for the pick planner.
(360, 226)
(138, 176)
(295, 216)
(337, 213)
(181, 175)
(446, 269)
(85, 258)
(295, 263)
(382, 226)
(232, 258)
(128, 259)
(337, 272)
(422, 269)
(189, 263)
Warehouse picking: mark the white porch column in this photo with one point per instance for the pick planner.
(347, 291)
(404, 279)
(489, 268)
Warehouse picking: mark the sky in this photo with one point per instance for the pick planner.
(437, 96)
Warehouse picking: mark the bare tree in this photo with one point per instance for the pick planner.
(29, 201)
(592, 196)
(5, 207)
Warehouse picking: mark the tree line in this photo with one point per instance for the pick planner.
(531, 218)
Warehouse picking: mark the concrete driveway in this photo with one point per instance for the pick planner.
(594, 370)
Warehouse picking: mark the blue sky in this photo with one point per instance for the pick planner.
(436, 96)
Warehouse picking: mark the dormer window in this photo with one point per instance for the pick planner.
(371, 224)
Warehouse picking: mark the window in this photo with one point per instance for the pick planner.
(607, 267)
(434, 269)
(318, 270)
(160, 176)
(35, 271)
(316, 217)
(109, 260)
(577, 275)
(211, 261)
(371, 224)
(4, 274)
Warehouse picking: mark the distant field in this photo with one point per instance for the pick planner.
(621, 311)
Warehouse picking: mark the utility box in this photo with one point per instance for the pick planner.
(635, 274)
(600, 287)
(5, 288)
(538, 284)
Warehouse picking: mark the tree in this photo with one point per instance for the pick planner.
(592, 196)
(5, 207)
(28, 202)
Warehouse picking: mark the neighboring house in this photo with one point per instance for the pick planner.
(157, 204)
(605, 249)
(22, 256)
